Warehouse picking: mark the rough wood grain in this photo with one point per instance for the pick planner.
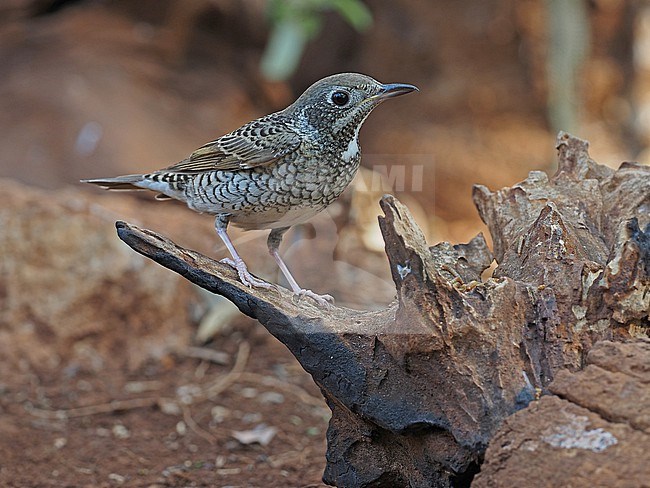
(418, 390)
(595, 432)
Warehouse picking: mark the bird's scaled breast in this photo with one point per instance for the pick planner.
(289, 191)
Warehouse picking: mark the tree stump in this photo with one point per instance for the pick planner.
(595, 430)
(418, 390)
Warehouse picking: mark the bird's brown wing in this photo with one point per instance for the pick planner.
(257, 143)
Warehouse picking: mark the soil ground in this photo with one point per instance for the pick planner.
(117, 443)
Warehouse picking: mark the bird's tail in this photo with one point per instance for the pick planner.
(127, 182)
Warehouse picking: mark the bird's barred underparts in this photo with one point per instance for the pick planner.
(277, 171)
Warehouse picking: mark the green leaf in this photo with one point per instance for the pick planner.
(354, 12)
(295, 22)
(283, 50)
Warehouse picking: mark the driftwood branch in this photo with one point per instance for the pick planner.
(418, 390)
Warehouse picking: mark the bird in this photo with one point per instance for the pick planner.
(277, 171)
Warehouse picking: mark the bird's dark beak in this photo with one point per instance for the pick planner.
(394, 90)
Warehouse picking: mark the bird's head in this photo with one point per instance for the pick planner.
(340, 103)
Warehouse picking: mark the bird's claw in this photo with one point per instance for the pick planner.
(250, 281)
(322, 300)
(244, 275)
(229, 262)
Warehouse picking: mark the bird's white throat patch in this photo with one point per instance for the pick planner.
(353, 146)
(352, 151)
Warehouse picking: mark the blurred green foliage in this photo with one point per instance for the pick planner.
(568, 25)
(295, 22)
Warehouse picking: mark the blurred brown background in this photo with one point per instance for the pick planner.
(101, 88)
(96, 88)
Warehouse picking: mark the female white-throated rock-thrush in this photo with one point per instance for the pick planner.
(276, 171)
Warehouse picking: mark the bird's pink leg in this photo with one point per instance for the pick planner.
(275, 237)
(221, 224)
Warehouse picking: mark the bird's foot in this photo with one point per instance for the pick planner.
(322, 300)
(244, 275)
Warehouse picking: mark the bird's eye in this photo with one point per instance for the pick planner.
(340, 98)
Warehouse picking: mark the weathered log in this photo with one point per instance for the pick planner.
(595, 432)
(418, 390)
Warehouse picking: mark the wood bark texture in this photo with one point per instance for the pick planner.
(418, 390)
